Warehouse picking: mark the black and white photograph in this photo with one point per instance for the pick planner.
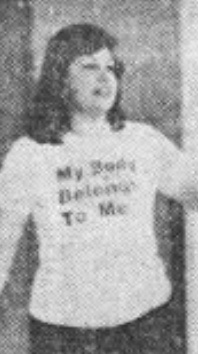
(98, 177)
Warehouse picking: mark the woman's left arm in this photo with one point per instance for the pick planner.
(179, 174)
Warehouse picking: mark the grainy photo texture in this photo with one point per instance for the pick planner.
(94, 178)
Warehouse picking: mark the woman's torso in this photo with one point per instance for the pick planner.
(99, 263)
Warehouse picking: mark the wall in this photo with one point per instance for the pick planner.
(149, 46)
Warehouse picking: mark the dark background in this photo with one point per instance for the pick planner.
(149, 45)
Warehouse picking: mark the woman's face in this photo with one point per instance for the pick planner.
(93, 82)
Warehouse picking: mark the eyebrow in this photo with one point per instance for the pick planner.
(90, 60)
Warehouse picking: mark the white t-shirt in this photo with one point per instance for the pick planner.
(92, 199)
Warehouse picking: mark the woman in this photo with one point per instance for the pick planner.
(89, 181)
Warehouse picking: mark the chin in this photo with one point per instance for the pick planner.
(102, 111)
(104, 107)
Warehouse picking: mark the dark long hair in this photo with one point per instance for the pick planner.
(50, 116)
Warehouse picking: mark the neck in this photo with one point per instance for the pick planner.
(86, 124)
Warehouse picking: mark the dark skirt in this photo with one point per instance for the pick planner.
(151, 334)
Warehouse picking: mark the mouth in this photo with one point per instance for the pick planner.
(102, 92)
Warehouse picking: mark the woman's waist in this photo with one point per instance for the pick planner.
(97, 264)
(97, 277)
(104, 301)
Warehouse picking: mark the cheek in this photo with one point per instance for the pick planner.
(83, 84)
(113, 81)
(81, 91)
(114, 86)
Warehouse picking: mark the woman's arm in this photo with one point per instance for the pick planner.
(15, 204)
(178, 174)
(11, 229)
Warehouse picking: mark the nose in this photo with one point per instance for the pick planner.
(103, 76)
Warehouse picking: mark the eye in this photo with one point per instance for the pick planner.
(90, 66)
(111, 68)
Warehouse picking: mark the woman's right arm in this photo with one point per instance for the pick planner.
(15, 204)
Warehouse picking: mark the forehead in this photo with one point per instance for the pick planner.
(103, 55)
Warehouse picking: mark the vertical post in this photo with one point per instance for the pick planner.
(189, 66)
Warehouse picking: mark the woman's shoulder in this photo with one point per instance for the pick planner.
(148, 138)
(24, 146)
(141, 129)
(147, 132)
(21, 153)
